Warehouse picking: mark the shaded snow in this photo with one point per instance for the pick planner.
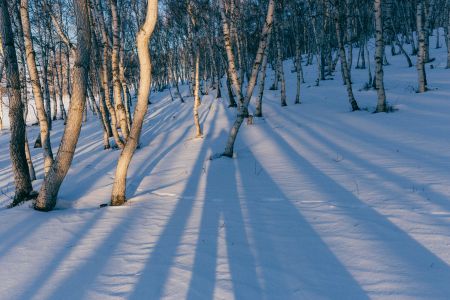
(319, 203)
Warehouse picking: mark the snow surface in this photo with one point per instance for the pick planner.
(319, 202)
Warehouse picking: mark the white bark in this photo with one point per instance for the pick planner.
(198, 128)
(117, 86)
(422, 50)
(23, 186)
(229, 148)
(118, 196)
(50, 187)
(379, 54)
(36, 86)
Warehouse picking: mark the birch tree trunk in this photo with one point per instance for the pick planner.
(230, 55)
(345, 68)
(198, 128)
(262, 81)
(379, 54)
(46, 200)
(422, 49)
(105, 75)
(117, 86)
(23, 187)
(448, 34)
(280, 66)
(118, 196)
(229, 148)
(298, 69)
(36, 86)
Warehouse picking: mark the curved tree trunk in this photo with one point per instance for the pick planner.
(46, 200)
(229, 148)
(345, 67)
(36, 86)
(17, 144)
(118, 196)
(262, 82)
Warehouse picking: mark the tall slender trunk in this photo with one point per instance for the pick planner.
(36, 86)
(262, 81)
(48, 194)
(17, 124)
(379, 54)
(421, 59)
(105, 78)
(118, 196)
(298, 69)
(232, 72)
(448, 34)
(117, 86)
(198, 128)
(345, 68)
(229, 148)
(280, 66)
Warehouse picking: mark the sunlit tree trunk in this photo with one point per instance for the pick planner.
(36, 86)
(50, 187)
(118, 196)
(229, 148)
(23, 187)
(232, 72)
(117, 86)
(198, 128)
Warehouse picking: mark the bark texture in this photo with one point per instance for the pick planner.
(118, 196)
(46, 200)
(22, 179)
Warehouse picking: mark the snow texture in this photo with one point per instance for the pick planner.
(318, 203)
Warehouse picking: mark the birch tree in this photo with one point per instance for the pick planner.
(36, 86)
(118, 196)
(48, 193)
(379, 54)
(267, 28)
(23, 187)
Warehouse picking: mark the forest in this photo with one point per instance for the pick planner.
(224, 149)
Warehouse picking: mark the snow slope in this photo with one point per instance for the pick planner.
(319, 203)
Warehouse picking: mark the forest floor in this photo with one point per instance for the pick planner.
(318, 203)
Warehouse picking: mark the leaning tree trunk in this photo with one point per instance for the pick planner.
(118, 196)
(46, 200)
(344, 64)
(262, 81)
(229, 148)
(17, 123)
(105, 78)
(422, 49)
(379, 54)
(36, 86)
(230, 55)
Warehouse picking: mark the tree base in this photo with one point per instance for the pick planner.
(20, 199)
(118, 200)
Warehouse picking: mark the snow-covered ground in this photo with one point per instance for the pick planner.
(319, 202)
